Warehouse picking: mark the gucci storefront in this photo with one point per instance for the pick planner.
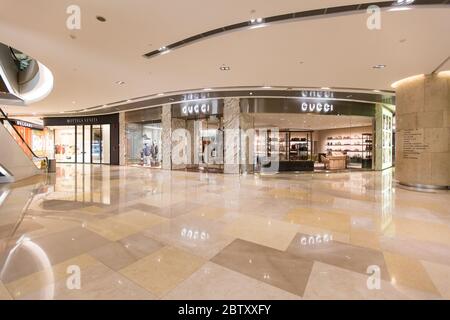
(88, 140)
(315, 132)
(311, 134)
(204, 129)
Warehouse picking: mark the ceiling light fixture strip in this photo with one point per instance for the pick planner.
(287, 17)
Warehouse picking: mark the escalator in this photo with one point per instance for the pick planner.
(17, 159)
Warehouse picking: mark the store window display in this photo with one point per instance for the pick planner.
(144, 144)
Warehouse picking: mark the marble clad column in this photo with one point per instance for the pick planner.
(122, 140)
(247, 143)
(423, 131)
(231, 123)
(166, 137)
(193, 128)
(179, 145)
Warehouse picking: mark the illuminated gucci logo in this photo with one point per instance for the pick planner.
(317, 107)
(196, 109)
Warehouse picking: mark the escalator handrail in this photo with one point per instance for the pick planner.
(5, 117)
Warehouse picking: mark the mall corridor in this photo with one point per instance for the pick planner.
(138, 233)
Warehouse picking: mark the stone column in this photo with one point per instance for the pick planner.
(180, 145)
(166, 137)
(247, 143)
(423, 131)
(122, 140)
(231, 124)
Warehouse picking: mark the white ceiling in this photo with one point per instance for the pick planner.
(336, 51)
(309, 121)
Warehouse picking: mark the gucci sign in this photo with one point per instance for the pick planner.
(196, 109)
(317, 107)
(317, 94)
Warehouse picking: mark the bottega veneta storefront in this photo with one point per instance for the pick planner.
(88, 140)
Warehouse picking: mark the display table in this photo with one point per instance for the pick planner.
(336, 162)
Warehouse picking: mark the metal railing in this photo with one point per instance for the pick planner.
(40, 162)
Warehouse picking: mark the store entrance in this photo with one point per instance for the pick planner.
(208, 137)
(89, 144)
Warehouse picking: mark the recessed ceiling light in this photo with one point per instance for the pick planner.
(267, 87)
(403, 2)
(251, 93)
(100, 18)
(164, 50)
(257, 23)
(120, 83)
(160, 94)
(207, 89)
(379, 66)
(225, 68)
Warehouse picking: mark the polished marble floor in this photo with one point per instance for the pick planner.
(100, 232)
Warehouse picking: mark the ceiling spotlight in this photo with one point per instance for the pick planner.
(120, 83)
(257, 23)
(100, 18)
(251, 93)
(225, 68)
(379, 66)
(164, 50)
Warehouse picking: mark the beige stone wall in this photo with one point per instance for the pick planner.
(423, 131)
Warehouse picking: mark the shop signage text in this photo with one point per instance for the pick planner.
(25, 124)
(317, 107)
(196, 109)
(317, 94)
(89, 120)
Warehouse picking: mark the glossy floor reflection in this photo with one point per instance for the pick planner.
(134, 233)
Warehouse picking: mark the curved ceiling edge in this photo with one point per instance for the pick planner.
(315, 13)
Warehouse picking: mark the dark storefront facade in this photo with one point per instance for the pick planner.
(89, 140)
